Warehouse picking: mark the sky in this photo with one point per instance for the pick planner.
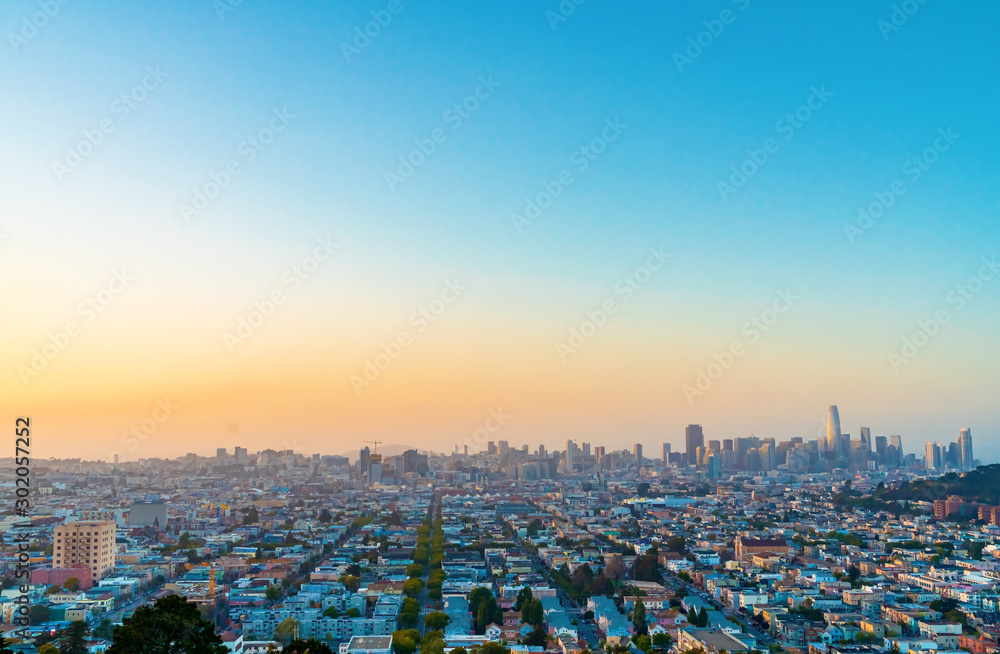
(306, 227)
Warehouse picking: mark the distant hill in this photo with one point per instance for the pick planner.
(980, 485)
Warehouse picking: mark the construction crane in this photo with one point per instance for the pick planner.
(375, 443)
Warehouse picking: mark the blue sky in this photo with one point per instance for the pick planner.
(657, 184)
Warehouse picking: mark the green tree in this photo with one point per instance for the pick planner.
(522, 595)
(73, 638)
(47, 648)
(414, 570)
(537, 638)
(436, 620)
(331, 612)
(104, 630)
(273, 592)
(405, 641)
(286, 630)
(661, 641)
(639, 617)
(171, 625)
(5, 647)
(532, 612)
(38, 613)
(533, 527)
(413, 586)
(643, 490)
(644, 643)
(350, 582)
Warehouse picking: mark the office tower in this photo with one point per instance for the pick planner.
(694, 438)
(880, 447)
(932, 456)
(364, 456)
(953, 458)
(637, 453)
(666, 453)
(714, 465)
(715, 446)
(569, 455)
(465, 451)
(242, 457)
(833, 436)
(541, 451)
(767, 456)
(727, 445)
(491, 448)
(586, 449)
(965, 448)
(742, 447)
(220, 453)
(897, 441)
(91, 542)
(147, 514)
(866, 440)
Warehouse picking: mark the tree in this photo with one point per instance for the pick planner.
(413, 586)
(532, 612)
(47, 648)
(643, 490)
(331, 612)
(639, 617)
(643, 643)
(286, 630)
(522, 596)
(533, 527)
(703, 618)
(104, 630)
(351, 583)
(405, 641)
(352, 613)
(273, 592)
(436, 620)
(171, 625)
(5, 648)
(661, 641)
(73, 638)
(38, 613)
(51, 590)
(251, 516)
(414, 570)
(615, 569)
(537, 638)
(311, 646)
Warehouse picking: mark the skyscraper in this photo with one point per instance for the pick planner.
(866, 440)
(569, 456)
(833, 431)
(637, 451)
(932, 456)
(666, 453)
(880, 449)
(896, 441)
(694, 438)
(965, 448)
